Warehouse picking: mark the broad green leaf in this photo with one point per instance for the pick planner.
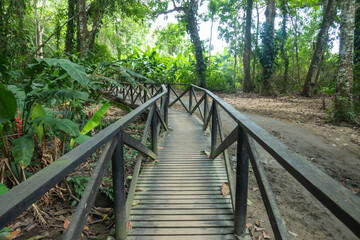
(75, 71)
(3, 189)
(80, 139)
(38, 111)
(8, 105)
(65, 125)
(120, 105)
(22, 150)
(92, 123)
(95, 119)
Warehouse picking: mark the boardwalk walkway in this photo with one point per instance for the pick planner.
(180, 196)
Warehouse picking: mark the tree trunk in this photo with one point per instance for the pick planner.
(343, 100)
(268, 51)
(96, 25)
(248, 84)
(211, 28)
(192, 27)
(283, 44)
(235, 50)
(82, 27)
(328, 19)
(256, 42)
(69, 42)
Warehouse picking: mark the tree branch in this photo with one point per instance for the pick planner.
(48, 39)
(176, 9)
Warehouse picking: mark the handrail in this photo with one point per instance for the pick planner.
(19, 198)
(344, 204)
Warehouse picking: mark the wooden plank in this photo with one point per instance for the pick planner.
(181, 224)
(182, 212)
(194, 197)
(200, 217)
(179, 231)
(179, 193)
(186, 201)
(172, 237)
(177, 188)
(182, 206)
(180, 185)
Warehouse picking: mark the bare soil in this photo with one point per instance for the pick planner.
(301, 124)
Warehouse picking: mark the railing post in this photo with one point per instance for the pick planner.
(154, 132)
(206, 110)
(213, 127)
(242, 169)
(152, 89)
(131, 94)
(145, 93)
(190, 98)
(166, 107)
(119, 189)
(123, 92)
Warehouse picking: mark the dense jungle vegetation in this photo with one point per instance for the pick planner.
(56, 56)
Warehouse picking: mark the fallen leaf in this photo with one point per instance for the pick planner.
(66, 223)
(266, 235)
(159, 147)
(86, 228)
(208, 134)
(260, 238)
(255, 189)
(206, 153)
(258, 223)
(248, 225)
(259, 229)
(129, 225)
(341, 130)
(225, 189)
(135, 203)
(292, 233)
(13, 234)
(150, 164)
(129, 177)
(140, 190)
(249, 202)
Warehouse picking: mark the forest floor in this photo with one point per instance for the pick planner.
(300, 123)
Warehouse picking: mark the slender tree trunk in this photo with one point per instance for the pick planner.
(69, 42)
(283, 44)
(235, 51)
(96, 25)
(20, 7)
(211, 28)
(268, 52)
(82, 27)
(192, 27)
(343, 101)
(248, 84)
(328, 19)
(256, 42)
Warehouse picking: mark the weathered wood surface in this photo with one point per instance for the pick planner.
(180, 197)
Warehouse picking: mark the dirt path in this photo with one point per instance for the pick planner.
(300, 124)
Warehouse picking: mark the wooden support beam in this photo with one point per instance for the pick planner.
(83, 209)
(129, 140)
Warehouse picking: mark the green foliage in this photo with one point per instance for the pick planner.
(22, 150)
(7, 105)
(3, 189)
(5, 233)
(79, 183)
(106, 188)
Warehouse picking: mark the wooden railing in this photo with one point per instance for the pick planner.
(19, 198)
(344, 204)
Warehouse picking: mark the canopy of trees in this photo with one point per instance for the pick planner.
(274, 47)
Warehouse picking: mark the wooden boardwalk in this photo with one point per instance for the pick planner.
(180, 197)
